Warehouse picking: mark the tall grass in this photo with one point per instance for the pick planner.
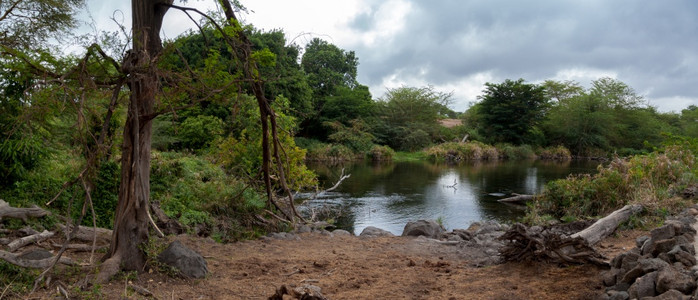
(654, 180)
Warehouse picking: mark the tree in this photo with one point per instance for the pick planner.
(28, 24)
(510, 111)
(407, 117)
(562, 90)
(131, 215)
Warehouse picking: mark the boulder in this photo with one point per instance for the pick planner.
(669, 295)
(187, 261)
(371, 231)
(643, 286)
(662, 233)
(670, 278)
(618, 295)
(341, 232)
(428, 228)
(643, 267)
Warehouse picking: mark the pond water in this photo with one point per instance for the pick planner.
(388, 195)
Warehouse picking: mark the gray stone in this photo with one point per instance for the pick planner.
(428, 228)
(36, 254)
(679, 255)
(670, 278)
(643, 267)
(629, 261)
(641, 241)
(341, 232)
(187, 261)
(644, 286)
(304, 229)
(609, 277)
(284, 236)
(371, 231)
(669, 295)
(662, 233)
(618, 295)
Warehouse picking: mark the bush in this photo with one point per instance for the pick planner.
(555, 153)
(654, 180)
(458, 152)
(200, 131)
(511, 152)
(381, 153)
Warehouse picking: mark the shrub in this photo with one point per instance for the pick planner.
(200, 131)
(555, 153)
(381, 153)
(654, 180)
(458, 152)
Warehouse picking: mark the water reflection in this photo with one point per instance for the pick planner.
(389, 195)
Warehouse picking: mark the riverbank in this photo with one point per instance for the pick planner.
(351, 267)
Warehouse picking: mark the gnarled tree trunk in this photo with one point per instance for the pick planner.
(131, 219)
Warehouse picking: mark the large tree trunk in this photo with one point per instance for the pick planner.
(131, 219)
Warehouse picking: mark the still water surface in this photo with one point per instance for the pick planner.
(388, 195)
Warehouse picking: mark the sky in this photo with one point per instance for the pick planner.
(457, 46)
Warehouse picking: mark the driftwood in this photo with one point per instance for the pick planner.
(546, 244)
(86, 234)
(29, 263)
(21, 242)
(607, 225)
(79, 247)
(7, 211)
(517, 199)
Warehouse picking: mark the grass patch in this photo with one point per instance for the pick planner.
(655, 181)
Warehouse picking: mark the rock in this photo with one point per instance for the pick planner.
(669, 295)
(609, 277)
(36, 254)
(643, 286)
(628, 261)
(678, 254)
(643, 267)
(428, 228)
(641, 241)
(303, 229)
(464, 234)
(670, 278)
(341, 232)
(618, 295)
(187, 261)
(284, 236)
(663, 246)
(662, 233)
(371, 231)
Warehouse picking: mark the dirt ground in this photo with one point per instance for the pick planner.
(349, 267)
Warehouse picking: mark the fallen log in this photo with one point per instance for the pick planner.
(86, 234)
(607, 225)
(30, 263)
(7, 211)
(517, 199)
(21, 242)
(546, 244)
(79, 247)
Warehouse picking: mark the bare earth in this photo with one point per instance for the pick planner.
(349, 267)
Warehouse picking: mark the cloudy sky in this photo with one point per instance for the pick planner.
(457, 46)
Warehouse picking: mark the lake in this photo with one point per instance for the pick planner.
(388, 195)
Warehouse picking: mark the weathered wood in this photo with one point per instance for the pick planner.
(7, 211)
(86, 234)
(21, 242)
(547, 244)
(517, 199)
(80, 247)
(607, 225)
(34, 264)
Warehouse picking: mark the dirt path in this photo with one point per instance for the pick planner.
(348, 267)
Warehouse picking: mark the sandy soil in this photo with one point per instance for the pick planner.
(348, 267)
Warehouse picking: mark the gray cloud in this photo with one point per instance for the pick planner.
(650, 45)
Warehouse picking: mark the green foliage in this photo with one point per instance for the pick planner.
(381, 153)
(407, 117)
(555, 153)
(200, 131)
(29, 24)
(200, 194)
(509, 151)
(653, 180)
(355, 137)
(16, 281)
(460, 152)
(241, 154)
(105, 195)
(328, 67)
(510, 111)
